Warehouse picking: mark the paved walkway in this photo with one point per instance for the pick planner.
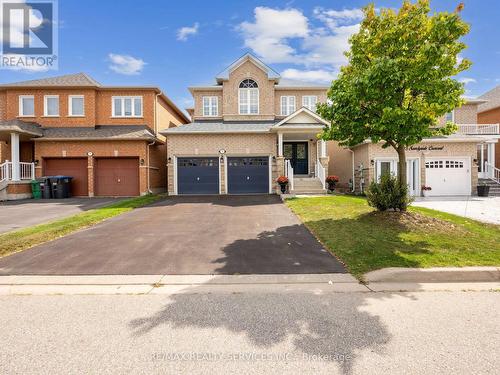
(24, 213)
(486, 209)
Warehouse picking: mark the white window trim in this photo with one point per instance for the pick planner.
(70, 105)
(21, 107)
(249, 105)
(210, 98)
(45, 108)
(310, 96)
(452, 116)
(121, 97)
(287, 97)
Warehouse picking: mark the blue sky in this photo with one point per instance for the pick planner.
(174, 44)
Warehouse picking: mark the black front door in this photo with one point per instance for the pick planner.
(296, 152)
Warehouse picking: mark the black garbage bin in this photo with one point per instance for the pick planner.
(60, 186)
(45, 187)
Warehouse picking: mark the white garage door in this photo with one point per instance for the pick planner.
(448, 176)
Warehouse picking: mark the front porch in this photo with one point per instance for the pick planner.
(15, 175)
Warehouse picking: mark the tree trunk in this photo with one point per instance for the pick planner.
(402, 165)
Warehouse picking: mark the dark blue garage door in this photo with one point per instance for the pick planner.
(248, 175)
(198, 176)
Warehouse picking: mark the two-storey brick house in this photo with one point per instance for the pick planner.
(106, 137)
(247, 129)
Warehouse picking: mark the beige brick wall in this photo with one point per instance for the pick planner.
(466, 114)
(367, 152)
(340, 163)
(209, 145)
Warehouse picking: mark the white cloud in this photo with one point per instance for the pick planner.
(125, 64)
(288, 36)
(319, 75)
(467, 80)
(185, 32)
(271, 30)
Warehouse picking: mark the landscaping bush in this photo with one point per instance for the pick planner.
(387, 194)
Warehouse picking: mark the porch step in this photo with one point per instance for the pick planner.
(494, 187)
(307, 185)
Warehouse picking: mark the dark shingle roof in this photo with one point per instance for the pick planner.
(220, 127)
(119, 132)
(70, 80)
(493, 99)
(24, 127)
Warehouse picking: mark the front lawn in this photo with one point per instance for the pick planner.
(23, 239)
(367, 240)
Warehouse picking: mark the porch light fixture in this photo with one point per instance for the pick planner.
(274, 158)
(372, 162)
(475, 161)
(169, 160)
(142, 161)
(36, 161)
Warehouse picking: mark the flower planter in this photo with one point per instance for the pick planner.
(283, 188)
(483, 190)
(331, 186)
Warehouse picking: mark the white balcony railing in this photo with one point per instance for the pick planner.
(478, 129)
(289, 173)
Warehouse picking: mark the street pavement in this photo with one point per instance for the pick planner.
(252, 333)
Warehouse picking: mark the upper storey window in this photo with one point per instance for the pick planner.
(248, 97)
(450, 116)
(310, 101)
(287, 105)
(27, 105)
(127, 106)
(210, 106)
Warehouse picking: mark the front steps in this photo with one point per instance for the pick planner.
(307, 186)
(494, 187)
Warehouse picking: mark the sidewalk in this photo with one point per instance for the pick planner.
(191, 284)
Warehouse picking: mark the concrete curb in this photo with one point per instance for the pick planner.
(434, 275)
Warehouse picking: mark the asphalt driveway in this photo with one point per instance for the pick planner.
(185, 235)
(27, 212)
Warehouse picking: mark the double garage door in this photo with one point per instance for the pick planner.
(112, 176)
(448, 176)
(245, 175)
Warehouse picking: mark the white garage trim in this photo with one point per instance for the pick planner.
(270, 174)
(175, 175)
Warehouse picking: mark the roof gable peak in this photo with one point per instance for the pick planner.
(271, 73)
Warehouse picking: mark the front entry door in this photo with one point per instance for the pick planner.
(296, 152)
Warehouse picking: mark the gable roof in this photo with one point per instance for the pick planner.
(316, 117)
(493, 99)
(68, 80)
(271, 73)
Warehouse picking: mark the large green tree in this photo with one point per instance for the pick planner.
(399, 79)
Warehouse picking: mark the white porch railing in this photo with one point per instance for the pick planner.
(478, 129)
(492, 172)
(289, 173)
(320, 173)
(26, 171)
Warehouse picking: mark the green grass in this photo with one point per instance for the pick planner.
(366, 240)
(23, 239)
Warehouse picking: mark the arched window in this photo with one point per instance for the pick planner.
(248, 97)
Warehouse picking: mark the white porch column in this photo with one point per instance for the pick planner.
(14, 150)
(322, 148)
(280, 144)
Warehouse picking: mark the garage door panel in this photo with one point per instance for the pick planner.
(448, 176)
(248, 175)
(117, 177)
(198, 175)
(74, 167)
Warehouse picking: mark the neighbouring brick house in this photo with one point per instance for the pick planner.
(489, 113)
(250, 127)
(106, 137)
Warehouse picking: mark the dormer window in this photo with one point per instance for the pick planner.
(249, 97)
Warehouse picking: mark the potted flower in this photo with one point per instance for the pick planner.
(332, 181)
(425, 189)
(282, 182)
(483, 190)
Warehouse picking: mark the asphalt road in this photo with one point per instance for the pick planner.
(252, 333)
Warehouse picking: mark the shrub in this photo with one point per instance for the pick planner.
(388, 194)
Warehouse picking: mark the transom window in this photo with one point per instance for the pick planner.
(26, 105)
(76, 105)
(287, 105)
(127, 106)
(248, 97)
(51, 105)
(210, 105)
(310, 101)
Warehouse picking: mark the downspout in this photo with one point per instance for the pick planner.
(353, 187)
